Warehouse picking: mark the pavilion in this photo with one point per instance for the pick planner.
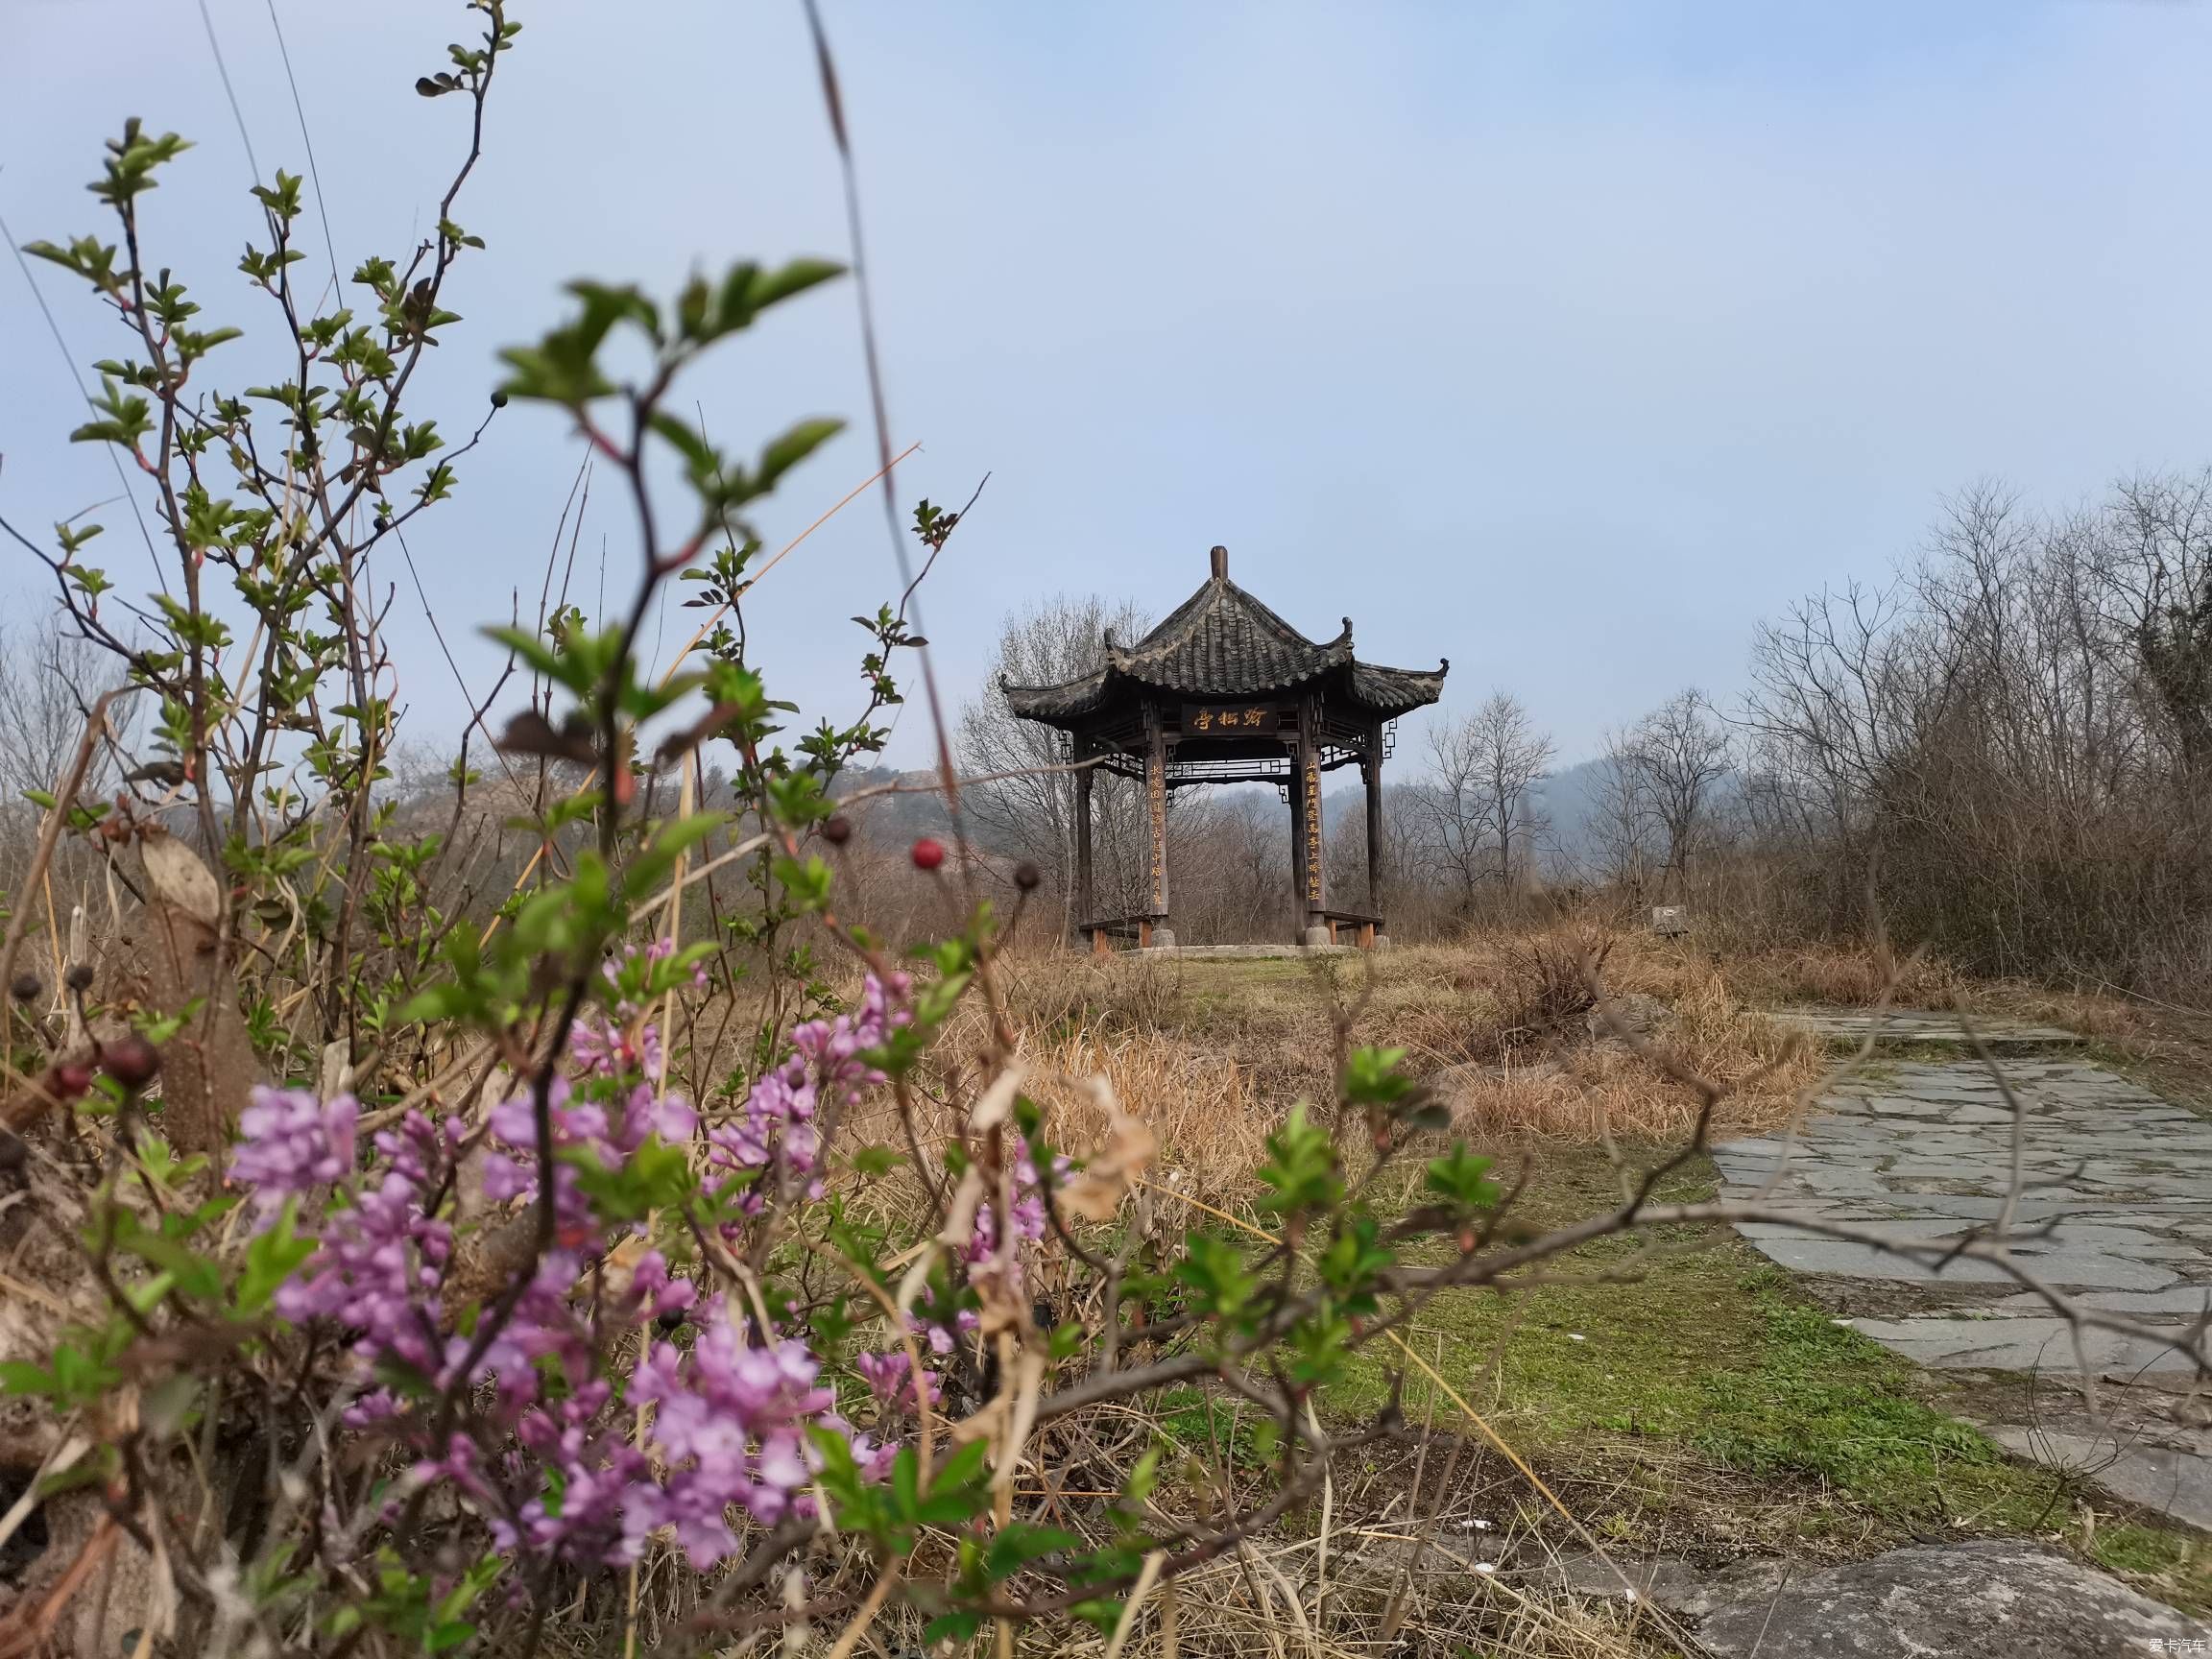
(1226, 692)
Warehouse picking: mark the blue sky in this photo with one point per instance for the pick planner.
(1566, 341)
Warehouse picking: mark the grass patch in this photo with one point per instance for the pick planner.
(1822, 1400)
(1709, 1408)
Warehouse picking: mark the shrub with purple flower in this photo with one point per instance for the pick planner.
(569, 1478)
(777, 1146)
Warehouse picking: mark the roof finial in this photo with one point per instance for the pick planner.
(1221, 563)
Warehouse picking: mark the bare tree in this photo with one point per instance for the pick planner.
(49, 680)
(1230, 851)
(1027, 810)
(1622, 824)
(1477, 808)
(2008, 746)
(1672, 762)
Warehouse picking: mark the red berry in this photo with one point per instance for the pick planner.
(838, 830)
(928, 854)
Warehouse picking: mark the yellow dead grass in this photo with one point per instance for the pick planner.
(1213, 1053)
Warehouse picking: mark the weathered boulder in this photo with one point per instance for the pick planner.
(1986, 1598)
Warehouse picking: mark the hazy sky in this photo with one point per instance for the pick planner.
(1566, 341)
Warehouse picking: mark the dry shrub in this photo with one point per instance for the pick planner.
(1848, 975)
(1200, 1103)
(1213, 1052)
(1073, 1023)
(1588, 1089)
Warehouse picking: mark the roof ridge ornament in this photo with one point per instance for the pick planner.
(1220, 561)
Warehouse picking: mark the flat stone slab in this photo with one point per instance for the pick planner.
(2170, 1480)
(2115, 1212)
(2018, 1342)
(1900, 1026)
(1987, 1599)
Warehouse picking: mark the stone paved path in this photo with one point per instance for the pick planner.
(2117, 1212)
(1903, 1025)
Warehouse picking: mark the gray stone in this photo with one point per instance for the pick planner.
(1903, 1026)
(1989, 1599)
(2017, 1342)
(2075, 1270)
(2186, 1300)
(1669, 1582)
(2167, 1480)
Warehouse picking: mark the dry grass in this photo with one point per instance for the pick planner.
(1845, 975)
(1215, 1051)
(1856, 977)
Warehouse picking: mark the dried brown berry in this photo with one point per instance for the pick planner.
(79, 977)
(131, 1061)
(838, 830)
(1028, 877)
(928, 853)
(499, 400)
(13, 1154)
(27, 986)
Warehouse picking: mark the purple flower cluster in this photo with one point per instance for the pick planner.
(552, 1458)
(291, 1143)
(729, 1424)
(609, 1130)
(380, 1260)
(890, 1377)
(778, 1144)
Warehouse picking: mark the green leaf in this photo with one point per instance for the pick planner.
(876, 1161)
(905, 1479)
(575, 670)
(1460, 1177)
(954, 1628)
(795, 278)
(961, 1468)
(1301, 1171)
(1022, 1542)
(1372, 1076)
(275, 1254)
(792, 447)
(689, 441)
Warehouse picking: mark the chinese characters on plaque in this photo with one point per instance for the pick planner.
(1215, 720)
(1313, 829)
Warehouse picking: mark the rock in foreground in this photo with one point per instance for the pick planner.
(1989, 1599)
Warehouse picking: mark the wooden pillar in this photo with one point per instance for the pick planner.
(1156, 811)
(1086, 893)
(1314, 894)
(1371, 767)
(1297, 793)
